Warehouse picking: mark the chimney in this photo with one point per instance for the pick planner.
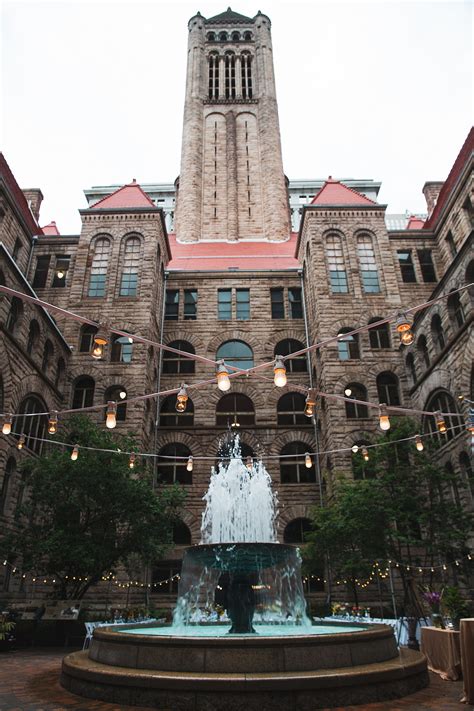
(34, 198)
(431, 191)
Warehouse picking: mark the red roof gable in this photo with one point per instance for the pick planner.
(223, 256)
(415, 223)
(130, 195)
(50, 229)
(17, 194)
(334, 192)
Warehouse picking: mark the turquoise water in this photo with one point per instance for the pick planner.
(262, 630)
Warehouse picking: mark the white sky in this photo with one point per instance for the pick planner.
(92, 92)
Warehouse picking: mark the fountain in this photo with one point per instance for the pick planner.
(262, 650)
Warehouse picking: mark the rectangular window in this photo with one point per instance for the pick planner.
(60, 271)
(41, 272)
(296, 305)
(243, 304)
(97, 285)
(278, 307)
(224, 304)
(451, 244)
(128, 285)
(337, 270)
(406, 265)
(171, 305)
(368, 266)
(338, 280)
(426, 265)
(190, 304)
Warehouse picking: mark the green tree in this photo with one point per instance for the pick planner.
(84, 518)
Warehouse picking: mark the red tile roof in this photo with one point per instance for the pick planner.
(18, 196)
(130, 195)
(223, 256)
(463, 156)
(334, 192)
(50, 229)
(415, 223)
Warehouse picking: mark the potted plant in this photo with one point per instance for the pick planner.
(6, 633)
(433, 598)
(454, 605)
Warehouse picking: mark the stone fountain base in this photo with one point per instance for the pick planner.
(251, 673)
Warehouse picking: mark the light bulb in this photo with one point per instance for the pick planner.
(407, 338)
(440, 423)
(223, 380)
(122, 394)
(181, 399)
(307, 460)
(310, 404)
(347, 392)
(99, 342)
(419, 443)
(97, 351)
(7, 425)
(354, 449)
(53, 422)
(279, 371)
(21, 442)
(131, 461)
(75, 452)
(111, 419)
(365, 454)
(403, 325)
(189, 465)
(60, 274)
(384, 421)
(249, 463)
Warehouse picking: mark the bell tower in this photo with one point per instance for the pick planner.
(231, 186)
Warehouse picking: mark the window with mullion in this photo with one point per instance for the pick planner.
(172, 305)
(224, 304)
(242, 297)
(379, 337)
(296, 305)
(190, 304)
(129, 281)
(337, 270)
(406, 265)
(290, 410)
(99, 267)
(426, 265)
(41, 272)
(278, 306)
(294, 470)
(368, 266)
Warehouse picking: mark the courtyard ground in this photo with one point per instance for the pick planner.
(29, 681)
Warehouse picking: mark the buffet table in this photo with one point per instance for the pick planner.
(443, 651)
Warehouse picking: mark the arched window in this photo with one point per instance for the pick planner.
(362, 469)
(211, 36)
(368, 266)
(235, 409)
(60, 370)
(181, 534)
(235, 36)
(293, 469)
(456, 311)
(169, 417)
(387, 388)
(437, 332)
(14, 315)
(213, 76)
(348, 347)
(355, 410)
(422, 348)
(122, 349)
(293, 365)
(236, 353)
(466, 468)
(296, 530)
(443, 401)
(6, 483)
(48, 353)
(223, 451)
(33, 336)
(379, 336)
(337, 268)
(223, 36)
(171, 470)
(410, 363)
(175, 363)
(246, 70)
(33, 427)
(247, 36)
(115, 393)
(229, 65)
(290, 409)
(100, 263)
(131, 261)
(83, 393)
(86, 338)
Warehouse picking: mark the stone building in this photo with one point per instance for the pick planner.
(213, 265)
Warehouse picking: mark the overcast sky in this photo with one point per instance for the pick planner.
(92, 92)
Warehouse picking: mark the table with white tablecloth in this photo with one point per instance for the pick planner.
(400, 625)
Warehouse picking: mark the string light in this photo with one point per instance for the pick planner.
(365, 454)
(419, 443)
(279, 371)
(354, 449)
(21, 442)
(190, 465)
(310, 404)
(122, 394)
(403, 325)
(53, 422)
(384, 421)
(7, 424)
(347, 392)
(111, 420)
(181, 399)
(75, 452)
(440, 423)
(99, 343)
(223, 380)
(249, 463)
(308, 462)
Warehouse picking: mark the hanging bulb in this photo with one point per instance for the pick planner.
(111, 419)
(347, 392)
(419, 443)
(365, 454)
(403, 325)
(97, 351)
(99, 343)
(7, 424)
(189, 465)
(21, 442)
(75, 452)
(310, 404)
(60, 273)
(308, 461)
(131, 461)
(440, 423)
(384, 421)
(223, 380)
(181, 399)
(354, 449)
(249, 463)
(279, 371)
(53, 422)
(122, 394)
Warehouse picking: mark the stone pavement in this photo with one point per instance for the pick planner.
(29, 681)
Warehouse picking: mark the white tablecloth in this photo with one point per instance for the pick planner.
(400, 625)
